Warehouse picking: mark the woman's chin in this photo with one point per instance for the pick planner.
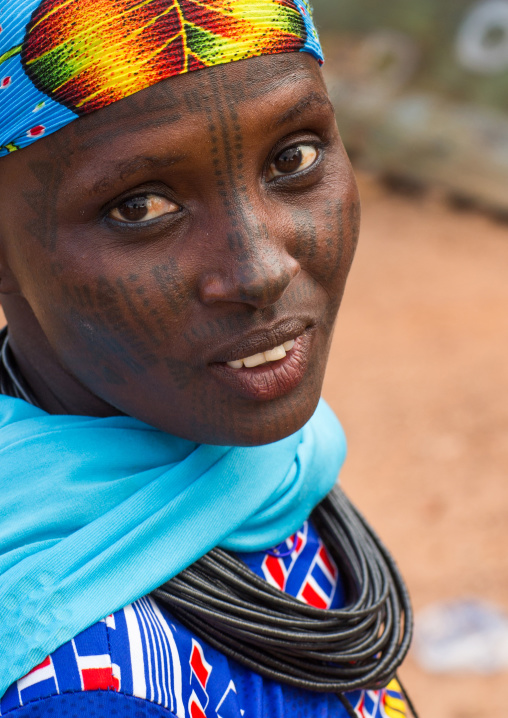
(264, 425)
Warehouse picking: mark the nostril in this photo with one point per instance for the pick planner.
(258, 285)
(268, 290)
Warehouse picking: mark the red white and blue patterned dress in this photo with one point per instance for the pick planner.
(142, 663)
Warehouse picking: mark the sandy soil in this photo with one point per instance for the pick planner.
(418, 376)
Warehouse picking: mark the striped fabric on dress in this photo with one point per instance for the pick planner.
(142, 656)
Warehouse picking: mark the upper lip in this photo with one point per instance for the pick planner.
(259, 340)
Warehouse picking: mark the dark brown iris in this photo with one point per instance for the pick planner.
(135, 209)
(289, 160)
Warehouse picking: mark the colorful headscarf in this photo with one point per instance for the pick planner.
(60, 59)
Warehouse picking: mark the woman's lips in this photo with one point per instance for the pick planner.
(271, 380)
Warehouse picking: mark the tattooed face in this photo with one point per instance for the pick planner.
(180, 256)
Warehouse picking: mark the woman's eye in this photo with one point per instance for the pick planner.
(293, 160)
(143, 208)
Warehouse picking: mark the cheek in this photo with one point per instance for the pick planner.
(326, 234)
(115, 323)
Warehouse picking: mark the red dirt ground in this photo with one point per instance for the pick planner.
(419, 376)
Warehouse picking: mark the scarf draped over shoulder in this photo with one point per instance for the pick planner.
(95, 513)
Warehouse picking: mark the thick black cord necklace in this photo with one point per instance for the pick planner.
(335, 651)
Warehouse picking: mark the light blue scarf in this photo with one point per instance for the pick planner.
(95, 513)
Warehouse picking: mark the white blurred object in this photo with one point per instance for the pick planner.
(461, 635)
(482, 42)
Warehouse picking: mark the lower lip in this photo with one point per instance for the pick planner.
(271, 380)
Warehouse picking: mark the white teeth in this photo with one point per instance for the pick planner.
(263, 357)
(254, 360)
(236, 364)
(275, 354)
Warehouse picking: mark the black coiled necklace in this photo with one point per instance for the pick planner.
(335, 651)
(272, 633)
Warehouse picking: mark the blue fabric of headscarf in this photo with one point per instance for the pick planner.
(95, 513)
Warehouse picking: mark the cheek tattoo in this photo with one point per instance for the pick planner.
(170, 282)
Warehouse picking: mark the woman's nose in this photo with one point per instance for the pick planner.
(257, 275)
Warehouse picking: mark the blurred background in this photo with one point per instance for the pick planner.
(419, 368)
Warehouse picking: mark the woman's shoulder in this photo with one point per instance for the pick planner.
(142, 661)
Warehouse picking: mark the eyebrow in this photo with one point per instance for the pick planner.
(121, 171)
(311, 100)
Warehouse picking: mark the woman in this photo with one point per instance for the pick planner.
(178, 219)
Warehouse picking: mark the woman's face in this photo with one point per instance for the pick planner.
(205, 220)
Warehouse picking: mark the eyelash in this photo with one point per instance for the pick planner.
(128, 226)
(283, 177)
